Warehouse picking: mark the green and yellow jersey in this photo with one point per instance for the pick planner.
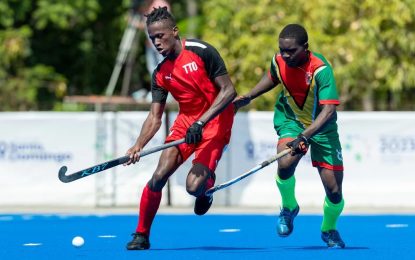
(302, 90)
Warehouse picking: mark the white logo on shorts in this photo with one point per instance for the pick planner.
(339, 154)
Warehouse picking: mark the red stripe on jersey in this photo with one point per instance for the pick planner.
(297, 80)
(329, 102)
(328, 166)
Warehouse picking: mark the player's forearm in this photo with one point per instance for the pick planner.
(325, 116)
(224, 98)
(263, 86)
(150, 127)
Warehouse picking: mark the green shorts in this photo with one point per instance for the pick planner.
(325, 147)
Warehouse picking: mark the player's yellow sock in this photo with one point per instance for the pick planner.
(331, 214)
(287, 191)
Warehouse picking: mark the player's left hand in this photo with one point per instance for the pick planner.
(194, 133)
(134, 153)
(299, 145)
(240, 101)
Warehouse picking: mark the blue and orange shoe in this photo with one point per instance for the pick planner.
(333, 239)
(286, 221)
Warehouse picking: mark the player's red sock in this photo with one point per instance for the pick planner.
(149, 204)
(209, 183)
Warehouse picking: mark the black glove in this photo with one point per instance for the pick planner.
(299, 145)
(194, 133)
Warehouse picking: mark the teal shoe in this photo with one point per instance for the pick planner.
(286, 221)
(333, 239)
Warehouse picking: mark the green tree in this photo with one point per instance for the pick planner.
(369, 43)
(49, 49)
(23, 85)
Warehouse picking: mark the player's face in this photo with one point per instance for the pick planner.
(163, 36)
(293, 54)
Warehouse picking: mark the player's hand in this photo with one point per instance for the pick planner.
(240, 101)
(134, 153)
(299, 145)
(194, 133)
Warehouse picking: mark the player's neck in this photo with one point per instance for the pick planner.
(305, 62)
(178, 47)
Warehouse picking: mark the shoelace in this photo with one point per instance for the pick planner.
(334, 235)
(285, 215)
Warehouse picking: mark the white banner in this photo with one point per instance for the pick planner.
(378, 149)
(33, 146)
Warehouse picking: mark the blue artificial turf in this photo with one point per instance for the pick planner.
(210, 236)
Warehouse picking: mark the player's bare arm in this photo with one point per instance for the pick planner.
(226, 94)
(263, 86)
(149, 129)
(325, 116)
(300, 144)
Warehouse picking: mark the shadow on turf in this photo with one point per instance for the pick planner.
(212, 248)
(325, 248)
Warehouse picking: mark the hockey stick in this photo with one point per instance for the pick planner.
(109, 164)
(214, 189)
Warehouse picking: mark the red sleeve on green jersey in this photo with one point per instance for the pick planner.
(327, 91)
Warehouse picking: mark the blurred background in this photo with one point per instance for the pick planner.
(51, 49)
(61, 60)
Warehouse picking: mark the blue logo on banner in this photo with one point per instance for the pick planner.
(397, 144)
(259, 150)
(30, 151)
(2, 150)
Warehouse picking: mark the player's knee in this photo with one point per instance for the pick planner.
(157, 183)
(335, 197)
(285, 173)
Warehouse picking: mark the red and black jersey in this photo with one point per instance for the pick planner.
(189, 78)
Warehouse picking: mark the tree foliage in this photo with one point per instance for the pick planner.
(370, 44)
(52, 48)
(49, 48)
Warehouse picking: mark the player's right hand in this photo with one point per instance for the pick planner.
(134, 153)
(241, 101)
(194, 133)
(299, 145)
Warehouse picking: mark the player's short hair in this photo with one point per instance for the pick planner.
(160, 14)
(295, 31)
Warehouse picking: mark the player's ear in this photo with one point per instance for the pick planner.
(176, 31)
(305, 46)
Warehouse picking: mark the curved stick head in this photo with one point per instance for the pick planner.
(62, 176)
